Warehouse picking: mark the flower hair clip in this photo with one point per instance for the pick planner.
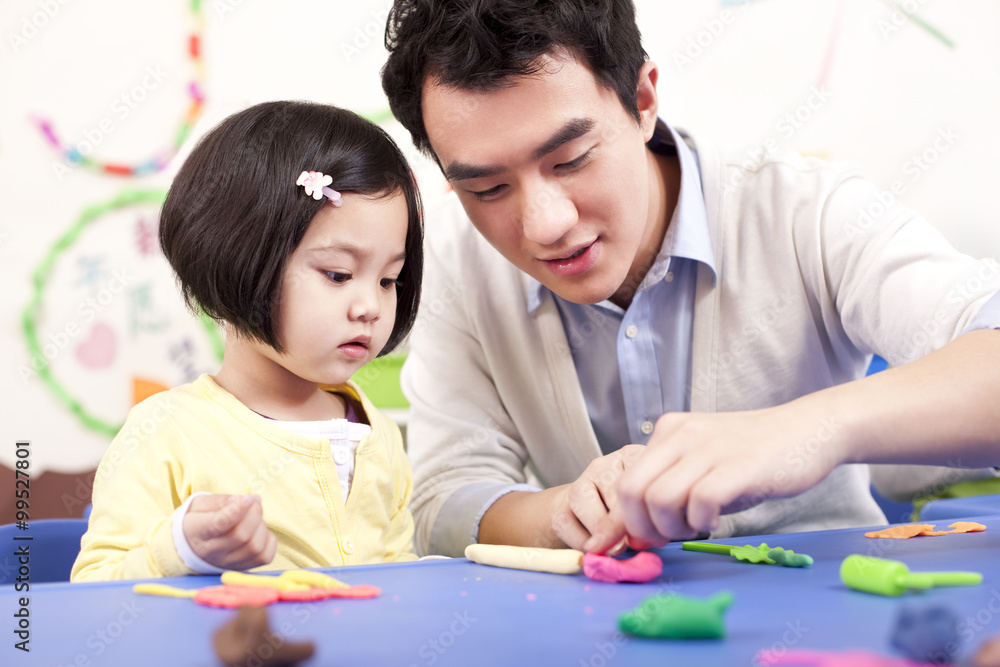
(315, 184)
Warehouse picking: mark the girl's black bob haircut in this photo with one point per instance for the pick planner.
(234, 215)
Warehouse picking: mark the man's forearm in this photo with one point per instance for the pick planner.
(522, 519)
(942, 409)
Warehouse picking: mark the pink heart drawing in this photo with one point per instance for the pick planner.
(98, 350)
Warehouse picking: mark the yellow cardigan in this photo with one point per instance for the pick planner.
(199, 437)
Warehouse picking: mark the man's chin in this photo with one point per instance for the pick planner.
(584, 293)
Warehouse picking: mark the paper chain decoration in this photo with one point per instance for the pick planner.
(160, 160)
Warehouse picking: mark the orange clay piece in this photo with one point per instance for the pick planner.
(988, 654)
(926, 529)
(966, 527)
(902, 532)
(234, 596)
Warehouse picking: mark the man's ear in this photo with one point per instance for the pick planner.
(646, 99)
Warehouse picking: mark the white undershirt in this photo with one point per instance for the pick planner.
(344, 437)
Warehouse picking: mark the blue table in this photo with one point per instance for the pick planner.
(459, 613)
(956, 508)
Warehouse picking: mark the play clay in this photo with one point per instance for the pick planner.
(357, 592)
(164, 591)
(239, 642)
(277, 583)
(312, 579)
(752, 554)
(644, 566)
(556, 561)
(234, 596)
(927, 633)
(677, 617)
(988, 654)
(926, 529)
(890, 577)
(806, 658)
(240, 588)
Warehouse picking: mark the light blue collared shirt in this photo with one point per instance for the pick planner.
(635, 365)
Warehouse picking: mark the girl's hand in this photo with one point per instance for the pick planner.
(229, 531)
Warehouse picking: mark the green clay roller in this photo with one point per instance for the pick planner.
(891, 577)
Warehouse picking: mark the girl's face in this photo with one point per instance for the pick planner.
(338, 300)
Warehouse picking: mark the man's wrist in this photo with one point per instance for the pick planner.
(522, 518)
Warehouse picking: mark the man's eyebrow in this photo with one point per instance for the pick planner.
(574, 129)
(459, 171)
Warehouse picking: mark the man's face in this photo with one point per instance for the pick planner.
(555, 174)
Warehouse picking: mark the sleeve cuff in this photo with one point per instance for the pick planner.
(988, 316)
(457, 523)
(184, 550)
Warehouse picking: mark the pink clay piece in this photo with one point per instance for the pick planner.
(639, 569)
(807, 658)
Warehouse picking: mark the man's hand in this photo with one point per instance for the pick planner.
(564, 515)
(698, 466)
(229, 531)
(583, 505)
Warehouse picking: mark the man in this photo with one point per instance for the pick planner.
(622, 282)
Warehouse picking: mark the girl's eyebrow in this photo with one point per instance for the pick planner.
(343, 247)
(353, 250)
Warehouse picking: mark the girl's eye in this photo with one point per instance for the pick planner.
(338, 277)
(389, 283)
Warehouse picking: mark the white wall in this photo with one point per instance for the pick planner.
(880, 96)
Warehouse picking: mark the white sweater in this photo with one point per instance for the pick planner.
(811, 281)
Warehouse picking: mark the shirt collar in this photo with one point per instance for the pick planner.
(687, 234)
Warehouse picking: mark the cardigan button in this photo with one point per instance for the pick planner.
(347, 544)
(646, 427)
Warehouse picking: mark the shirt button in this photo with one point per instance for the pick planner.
(631, 331)
(647, 427)
(347, 544)
(669, 277)
(340, 455)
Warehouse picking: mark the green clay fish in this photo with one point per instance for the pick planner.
(677, 617)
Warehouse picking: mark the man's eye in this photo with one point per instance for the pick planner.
(578, 162)
(486, 194)
(338, 277)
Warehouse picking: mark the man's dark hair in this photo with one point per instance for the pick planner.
(481, 44)
(234, 214)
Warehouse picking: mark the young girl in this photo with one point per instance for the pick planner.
(298, 227)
